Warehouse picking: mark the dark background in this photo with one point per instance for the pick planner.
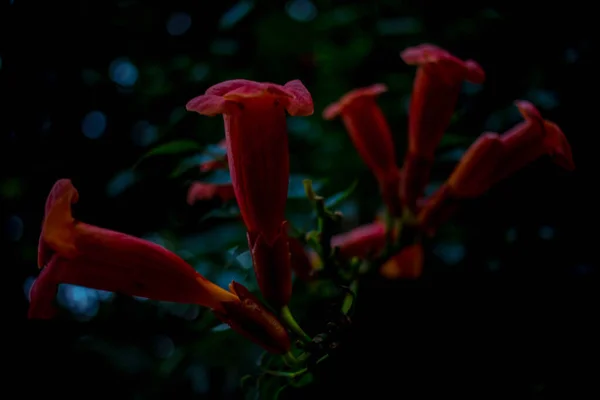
(508, 301)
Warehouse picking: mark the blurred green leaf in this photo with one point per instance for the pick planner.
(303, 380)
(174, 147)
(454, 140)
(226, 212)
(336, 199)
(270, 387)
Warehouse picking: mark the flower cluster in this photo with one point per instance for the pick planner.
(257, 157)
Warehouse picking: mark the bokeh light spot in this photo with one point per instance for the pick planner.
(511, 235)
(301, 10)
(94, 124)
(144, 133)
(81, 301)
(450, 253)
(200, 71)
(123, 72)
(198, 375)
(546, 232)
(120, 182)
(14, 228)
(235, 14)
(163, 346)
(221, 328)
(224, 47)
(399, 26)
(179, 23)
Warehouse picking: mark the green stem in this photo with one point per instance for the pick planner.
(350, 297)
(282, 374)
(289, 359)
(288, 319)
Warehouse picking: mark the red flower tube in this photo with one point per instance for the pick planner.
(77, 253)
(493, 157)
(371, 135)
(362, 241)
(208, 191)
(436, 88)
(257, 147)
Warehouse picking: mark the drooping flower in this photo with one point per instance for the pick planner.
(257, 147)
(73, 252)
(435, 92)
(207, 191)
(372, 137)
(493, 157)
(363, 241)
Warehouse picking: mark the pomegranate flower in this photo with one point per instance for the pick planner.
(73, 252)
(257, 146)
(493, 157)
(435, 92)
(371, 135)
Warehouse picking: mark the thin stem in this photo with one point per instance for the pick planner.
(289, 359)
(288, 319)
(350, 297)
(289, 375)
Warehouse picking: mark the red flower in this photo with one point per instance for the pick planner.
(208, 191)
(435, 92)
(362, 241)
(257, 148)
(407, 263)
(73, 252)
(493, 157)
(371, 135)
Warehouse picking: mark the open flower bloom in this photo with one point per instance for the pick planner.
(493, 157)
(257, 147)
(371, 135)
(362, 241)
(73, 252)
(407, 263)
(207, 191)
(435, 92)
(216, 161)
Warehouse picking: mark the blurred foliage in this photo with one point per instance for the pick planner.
(92, 90)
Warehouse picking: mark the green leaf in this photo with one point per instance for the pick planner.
(270, 387)
(247, 382)
(303, 380)
(174, 147)
(230, 212)
(336, 199)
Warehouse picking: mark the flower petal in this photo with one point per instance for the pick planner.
(57, 228)
(206, 104)
(301, 103)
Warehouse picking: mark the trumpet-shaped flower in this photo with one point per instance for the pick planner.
(257, 153)
(73, 252)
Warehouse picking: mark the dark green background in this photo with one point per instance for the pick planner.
(513, 316)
